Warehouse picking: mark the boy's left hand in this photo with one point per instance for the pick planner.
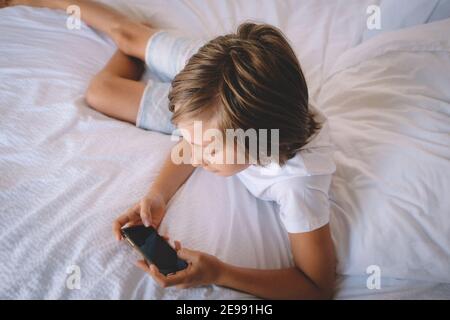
(203, 269)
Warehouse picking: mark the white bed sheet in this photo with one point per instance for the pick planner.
(355, 288)
(68, 171)
(388, 101)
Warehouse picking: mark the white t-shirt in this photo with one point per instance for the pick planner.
(300, 187)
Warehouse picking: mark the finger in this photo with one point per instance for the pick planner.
(158, 276)
(117, 225)
(142, 264)
(145, 213)
(174, 246)
(177, 245)
(121, 221)
(147, 24)
(185, 286)
(164, 281)
(180, 278)
(116, 230)
(134, 216)
(186, 254)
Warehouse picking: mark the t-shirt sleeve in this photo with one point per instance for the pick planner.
(167, 53)
(303, 202)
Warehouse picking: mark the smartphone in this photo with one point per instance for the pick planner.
(154, 248)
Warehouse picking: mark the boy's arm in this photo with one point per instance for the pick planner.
(312, 278)
(150, 210)
(172, 176)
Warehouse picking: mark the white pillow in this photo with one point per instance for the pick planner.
(399, 14)
(388, 103)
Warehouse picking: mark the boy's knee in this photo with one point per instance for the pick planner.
(125, 36)
(98, 91)
(131, 37)
(123, 40)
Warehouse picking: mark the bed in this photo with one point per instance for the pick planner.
(66, 171)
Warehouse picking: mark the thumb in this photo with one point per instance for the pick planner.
(186, 254)
(146, 215)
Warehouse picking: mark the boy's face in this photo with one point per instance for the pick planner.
(209, 150)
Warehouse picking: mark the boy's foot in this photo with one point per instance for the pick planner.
(10, 3)
(4, 3)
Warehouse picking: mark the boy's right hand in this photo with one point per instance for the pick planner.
(149, 211)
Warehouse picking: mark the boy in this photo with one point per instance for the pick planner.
(250, 80)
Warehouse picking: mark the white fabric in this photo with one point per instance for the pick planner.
(303, 202)
(399, 14)
(300, 187)
(67, 171)
(388, 102)
(167, 53)
(154, 113)
(355, 287)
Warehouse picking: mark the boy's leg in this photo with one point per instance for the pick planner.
(168, 53)
(116, 90)
(131, 37)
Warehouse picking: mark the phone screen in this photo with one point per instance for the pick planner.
(154, 248)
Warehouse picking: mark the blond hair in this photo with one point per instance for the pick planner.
(250, 79)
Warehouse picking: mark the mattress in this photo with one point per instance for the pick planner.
(66, 171)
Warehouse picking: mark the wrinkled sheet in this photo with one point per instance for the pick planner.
(67, 171)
